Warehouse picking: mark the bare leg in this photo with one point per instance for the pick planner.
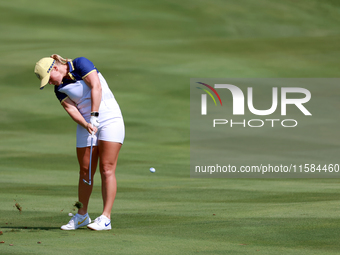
(84, 190)
(108, 157)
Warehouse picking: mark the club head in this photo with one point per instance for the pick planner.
(88, 183)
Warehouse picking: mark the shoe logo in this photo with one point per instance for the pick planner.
(80, 222)
(107, 224)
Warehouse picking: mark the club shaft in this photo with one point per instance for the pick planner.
(90, 166)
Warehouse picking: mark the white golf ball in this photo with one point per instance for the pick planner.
(152, 170)
(70, 214)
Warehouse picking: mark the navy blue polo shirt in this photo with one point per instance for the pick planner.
(79, 69)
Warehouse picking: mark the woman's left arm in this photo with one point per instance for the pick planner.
(92, 80)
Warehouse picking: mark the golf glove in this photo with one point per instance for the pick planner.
(94, 121)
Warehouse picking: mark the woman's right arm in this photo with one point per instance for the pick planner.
(71, 108)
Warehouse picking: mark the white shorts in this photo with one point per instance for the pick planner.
(110, 131)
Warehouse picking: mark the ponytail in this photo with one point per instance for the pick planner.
(60, 60)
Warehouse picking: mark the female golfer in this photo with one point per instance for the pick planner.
(86, 97)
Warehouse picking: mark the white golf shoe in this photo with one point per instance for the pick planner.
(100, 223)
(77, 221)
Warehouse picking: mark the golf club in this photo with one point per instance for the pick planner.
(89, 182)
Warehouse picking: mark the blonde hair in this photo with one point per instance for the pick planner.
(60, 60)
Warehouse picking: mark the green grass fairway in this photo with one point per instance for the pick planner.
(148, 51)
